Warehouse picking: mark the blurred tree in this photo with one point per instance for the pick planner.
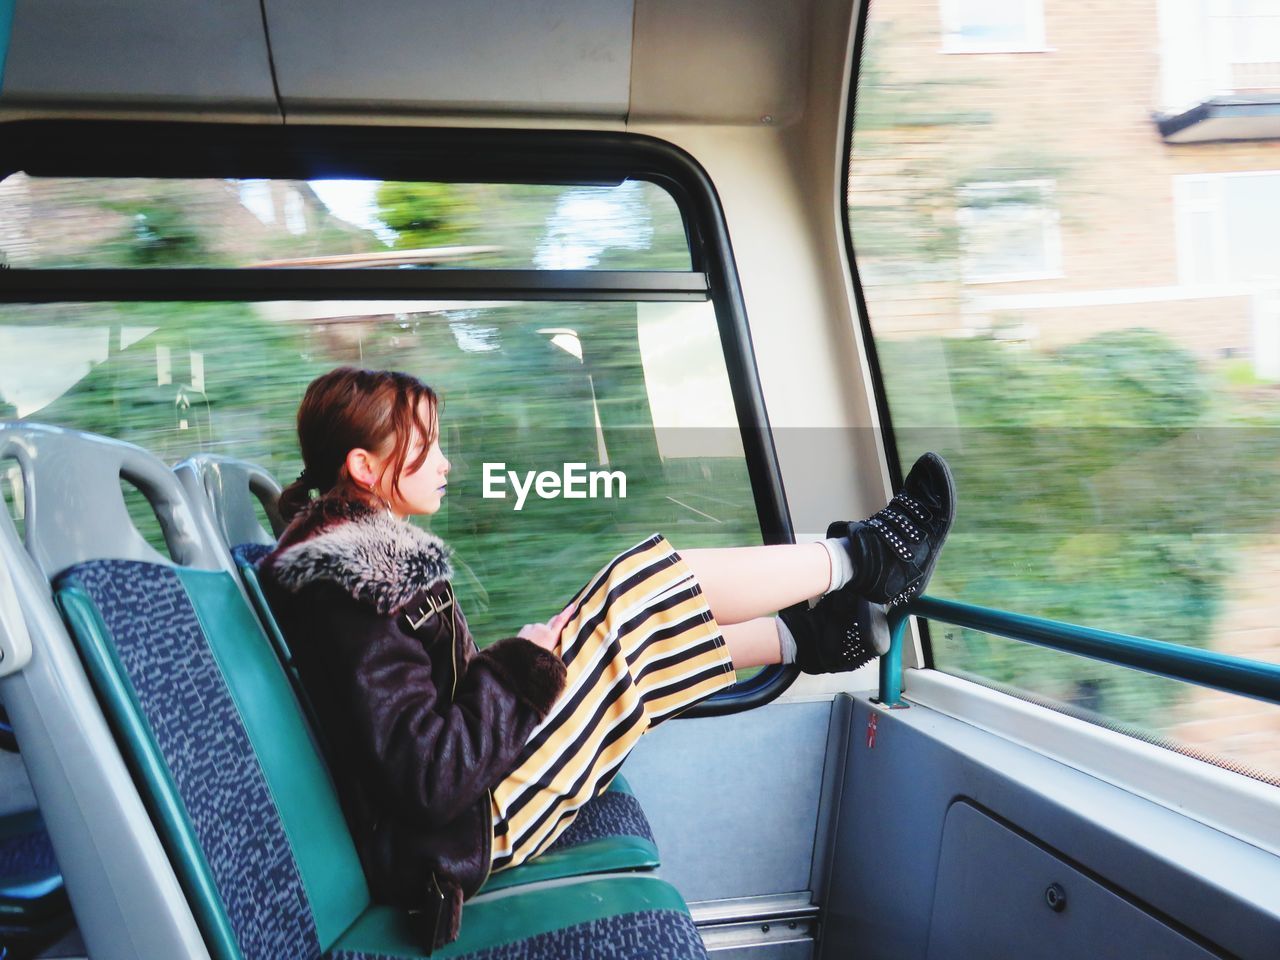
(161, 235)
(427, 214)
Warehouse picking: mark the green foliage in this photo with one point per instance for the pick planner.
(159, 236)
(633, 227)
(427, 214)
(1147, 381)
(255, 371)
(1090, 484)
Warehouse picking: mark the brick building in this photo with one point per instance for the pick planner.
(1046, 170)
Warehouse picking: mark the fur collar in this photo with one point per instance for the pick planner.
(376, 558)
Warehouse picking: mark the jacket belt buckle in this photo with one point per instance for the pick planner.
(433, 607)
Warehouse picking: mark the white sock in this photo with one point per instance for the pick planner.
(786, 642)
(841, 564)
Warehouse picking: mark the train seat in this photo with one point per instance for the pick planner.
(611, 832)
(218, 744)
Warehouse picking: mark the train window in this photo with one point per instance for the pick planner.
(54, 222)
(626, 404)
(1080, 307)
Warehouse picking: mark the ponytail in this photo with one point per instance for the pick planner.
(295, 496)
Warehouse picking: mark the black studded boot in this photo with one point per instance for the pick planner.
(895, 550)
(841, 633)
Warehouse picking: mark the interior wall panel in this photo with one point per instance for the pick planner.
(454, 56)
(906, 773)
(157, 54)
(720, 61)
(734, 801)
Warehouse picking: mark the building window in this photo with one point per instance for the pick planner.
(1244, 37)
(1226, 227)
(993, 26)
(1216, 49)
(1009, 231)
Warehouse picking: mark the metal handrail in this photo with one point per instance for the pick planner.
(1206, 668)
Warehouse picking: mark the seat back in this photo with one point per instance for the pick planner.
(127, 901)
(199, 702)
(74, 506)
(226, 488)
(230, 487)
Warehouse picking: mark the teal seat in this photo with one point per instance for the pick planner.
(248, 808)
(207, 719)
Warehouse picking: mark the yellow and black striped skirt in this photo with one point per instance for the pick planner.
(640, 646)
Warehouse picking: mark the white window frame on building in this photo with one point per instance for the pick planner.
(1244, 45)
(1200, 208)
(1043, 211)
(1218, 48)
(955, 19)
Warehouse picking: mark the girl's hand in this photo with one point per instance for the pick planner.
(546, 635)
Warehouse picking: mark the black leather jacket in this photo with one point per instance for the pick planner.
(419, 725)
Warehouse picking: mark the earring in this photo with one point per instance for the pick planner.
(377, 496)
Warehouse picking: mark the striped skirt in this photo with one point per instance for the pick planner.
(641, 646)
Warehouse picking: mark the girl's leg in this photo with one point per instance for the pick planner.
(743, 583)
(753, 643)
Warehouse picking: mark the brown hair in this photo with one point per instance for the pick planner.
(348, 408)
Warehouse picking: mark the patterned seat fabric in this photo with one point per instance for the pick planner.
(213, 732)
(32, 893)
(250, 554)
(27, 854)
(177, 683)
(615, 813)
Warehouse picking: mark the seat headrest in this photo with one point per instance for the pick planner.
(74, 508)
(230, 487)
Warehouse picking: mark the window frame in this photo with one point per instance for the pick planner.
(1222, 53)
(1186, 208)
(1051, 228)
(950, 16)
(133, 149)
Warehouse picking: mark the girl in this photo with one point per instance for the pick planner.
(453, 762)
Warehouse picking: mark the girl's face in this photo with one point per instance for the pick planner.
(421, 490)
